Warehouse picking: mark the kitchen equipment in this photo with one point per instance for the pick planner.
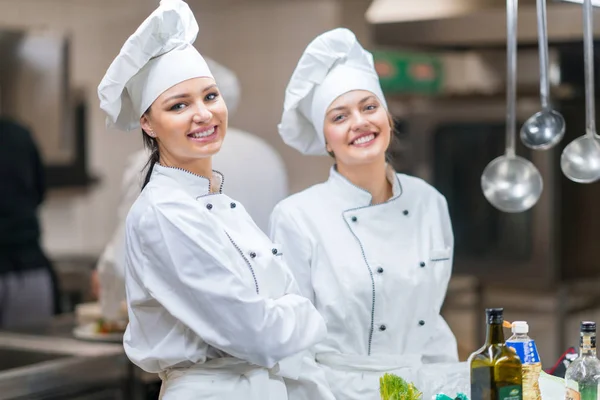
(511, 183)
(545, 128)
(466, 24)
(447, 138)
(52, 368)
(580, 160)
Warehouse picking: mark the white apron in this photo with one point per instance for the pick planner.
(222, 379)
(357, 377)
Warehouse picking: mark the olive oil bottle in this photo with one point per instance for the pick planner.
(495, 368)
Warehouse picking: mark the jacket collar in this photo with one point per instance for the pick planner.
(196, 185)
(355, 196)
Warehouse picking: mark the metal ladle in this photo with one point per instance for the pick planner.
(511, 183)
(580, 160)
(545, 128)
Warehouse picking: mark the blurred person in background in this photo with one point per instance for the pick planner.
(262, 167)
(28, 289)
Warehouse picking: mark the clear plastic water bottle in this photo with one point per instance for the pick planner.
(530, 359)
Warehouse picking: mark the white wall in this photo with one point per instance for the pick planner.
(264, 48)
(259, 39)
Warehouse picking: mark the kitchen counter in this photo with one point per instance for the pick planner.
(46, 362)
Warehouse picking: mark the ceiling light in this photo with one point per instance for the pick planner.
(594, 2)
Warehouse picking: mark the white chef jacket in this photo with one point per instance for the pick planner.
(211, 305)
(262, 165)
(377, 273)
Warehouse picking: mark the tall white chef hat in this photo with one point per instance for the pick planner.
(333, 64)
(158, 56)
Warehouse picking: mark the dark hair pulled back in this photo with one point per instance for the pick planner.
(151, 144)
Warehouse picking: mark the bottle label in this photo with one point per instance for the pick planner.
(527, 351)
(587, 342)
(576, 391)
(510, 393)
(572, 394)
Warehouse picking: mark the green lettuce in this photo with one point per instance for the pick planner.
(392, 387)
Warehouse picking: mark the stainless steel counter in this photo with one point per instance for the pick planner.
(48, 363)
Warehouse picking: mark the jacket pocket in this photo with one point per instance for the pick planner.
(440, 254)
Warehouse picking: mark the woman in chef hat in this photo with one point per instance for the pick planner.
(212, 308)
(372, 249)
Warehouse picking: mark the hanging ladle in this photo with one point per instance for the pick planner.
(511, 183)
(545, 128)
(580, 160)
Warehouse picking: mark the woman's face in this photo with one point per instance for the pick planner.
(357, 128)
(189, 121)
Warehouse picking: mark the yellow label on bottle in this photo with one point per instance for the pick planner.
(587, 342)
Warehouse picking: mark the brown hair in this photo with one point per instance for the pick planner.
(151, 143)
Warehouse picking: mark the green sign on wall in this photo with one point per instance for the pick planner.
(409, 73)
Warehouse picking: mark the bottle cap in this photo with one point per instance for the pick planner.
(520, 327)
(588, 326)
(494, 315)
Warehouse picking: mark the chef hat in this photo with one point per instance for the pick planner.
(333, 64)
(158, 56)
(228, 83)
